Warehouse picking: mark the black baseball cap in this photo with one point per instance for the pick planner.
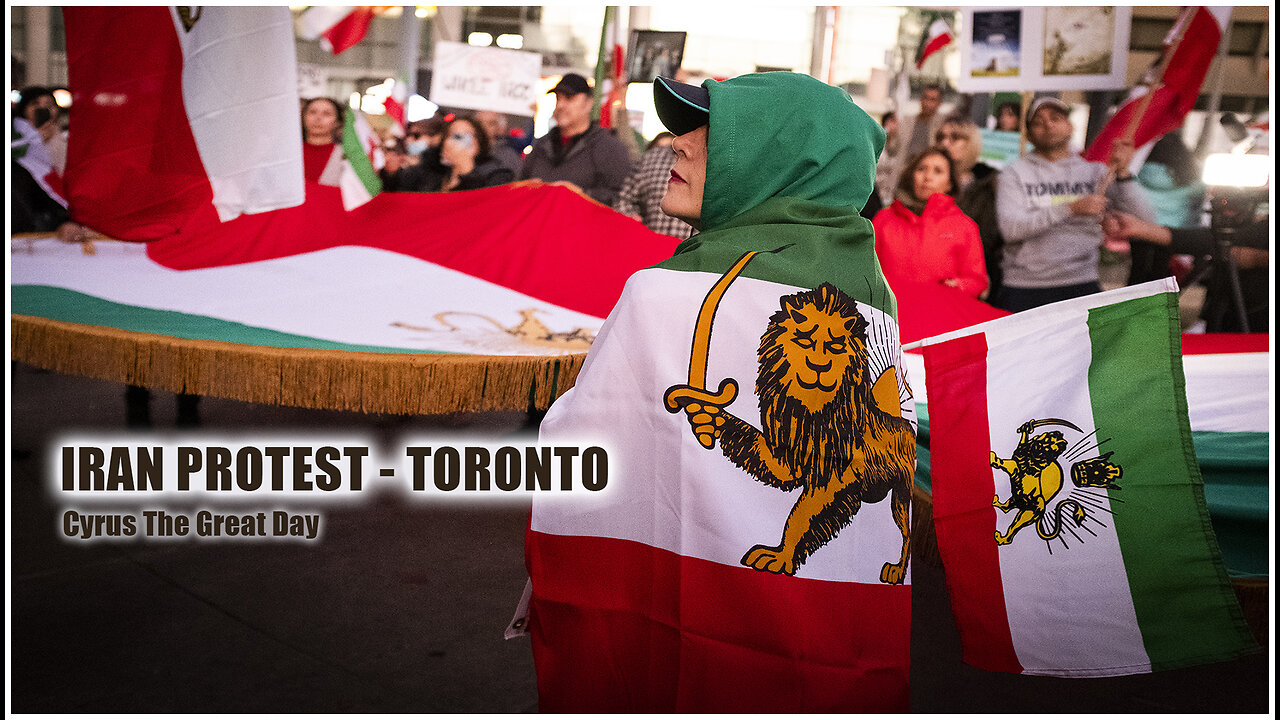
(571, 84)
(681, 107)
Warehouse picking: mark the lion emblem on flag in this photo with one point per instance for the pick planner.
(1035, 477)
(827, 428)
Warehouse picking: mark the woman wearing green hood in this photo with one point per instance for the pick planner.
(749, 553)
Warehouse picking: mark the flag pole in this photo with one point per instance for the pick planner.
(602, 57)
(410, 44)
(1022, 126)
(1215, 97)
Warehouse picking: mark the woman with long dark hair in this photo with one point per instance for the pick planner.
(923, 236)
(321, 132)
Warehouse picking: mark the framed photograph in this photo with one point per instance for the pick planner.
(1043, 48)
(996, 50)
(1078, 40)
(653, 53)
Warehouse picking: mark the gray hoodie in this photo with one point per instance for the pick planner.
(1044, 244)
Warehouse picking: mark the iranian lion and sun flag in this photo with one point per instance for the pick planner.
(1069, 511)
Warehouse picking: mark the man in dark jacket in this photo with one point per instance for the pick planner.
(577, 151)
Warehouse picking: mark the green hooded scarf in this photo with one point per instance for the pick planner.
(790, 163)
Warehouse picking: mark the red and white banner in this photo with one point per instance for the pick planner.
(1200, 29)
(337, 27)
(938, 36)
(179, 109)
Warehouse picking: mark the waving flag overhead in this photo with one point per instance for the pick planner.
(178, 109)
(337, 27)
(1188, 53)
(1069, 508)
(936, 37)
(28, 150)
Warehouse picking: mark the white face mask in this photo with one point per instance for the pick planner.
(415, 147)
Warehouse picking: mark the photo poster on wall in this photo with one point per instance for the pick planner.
(485, 78)
(654, 53)
(1044, 48)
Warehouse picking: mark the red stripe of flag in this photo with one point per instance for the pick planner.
(652, 624)
(963, 487)
(547, 242)
(940, 39)
(1206, 343)
(349, 30)
(136, 95)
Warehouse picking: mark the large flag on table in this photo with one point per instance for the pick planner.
(1193, 41)
(1068, 504)
(178, 109)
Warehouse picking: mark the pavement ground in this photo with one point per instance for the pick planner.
(399, 607)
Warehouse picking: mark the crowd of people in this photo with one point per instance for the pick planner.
(1018, 237)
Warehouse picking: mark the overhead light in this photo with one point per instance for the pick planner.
(420, 108)
(1234, 170)
(480, 39)
(425, 11)
(511, 41)
(382, 89)
(62, 97)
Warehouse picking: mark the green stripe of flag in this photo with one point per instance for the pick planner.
(1185, 607)
(70, 306)
(358, 156)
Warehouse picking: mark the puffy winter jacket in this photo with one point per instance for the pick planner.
(940, 244)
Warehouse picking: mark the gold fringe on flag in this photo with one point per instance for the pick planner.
(396, 383)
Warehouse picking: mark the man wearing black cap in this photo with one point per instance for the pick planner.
(750, 553)
(1050, 205)
(577, 151)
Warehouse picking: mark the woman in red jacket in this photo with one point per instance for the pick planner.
(923, 236)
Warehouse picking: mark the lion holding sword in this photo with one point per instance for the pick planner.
(827, 428)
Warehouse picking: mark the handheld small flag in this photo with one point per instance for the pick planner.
(935, 38)
(362, 160)
(337, 27)
(1068, 503)
(1162, 104)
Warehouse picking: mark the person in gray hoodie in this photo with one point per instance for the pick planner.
(1050, 214)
